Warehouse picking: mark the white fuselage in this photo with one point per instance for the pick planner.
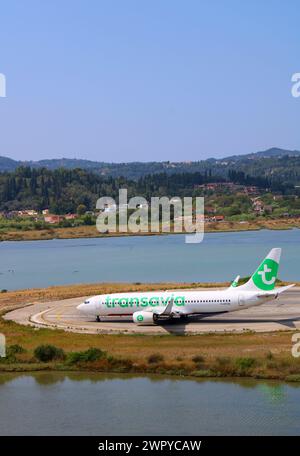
(184, 302)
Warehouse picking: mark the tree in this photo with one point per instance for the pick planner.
(81, 209)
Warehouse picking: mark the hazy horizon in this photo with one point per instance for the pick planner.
(133, 161)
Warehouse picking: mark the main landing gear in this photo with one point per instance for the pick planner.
(98, 319)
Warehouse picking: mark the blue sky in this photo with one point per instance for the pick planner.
(148, 80)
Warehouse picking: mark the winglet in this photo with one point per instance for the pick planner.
(234, 284)
(168, 308)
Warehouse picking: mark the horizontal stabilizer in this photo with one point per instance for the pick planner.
(275, 292)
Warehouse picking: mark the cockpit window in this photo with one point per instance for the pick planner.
(86, 302)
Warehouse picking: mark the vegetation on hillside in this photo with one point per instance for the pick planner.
(63, 191)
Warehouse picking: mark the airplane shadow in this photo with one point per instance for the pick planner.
(176, 326)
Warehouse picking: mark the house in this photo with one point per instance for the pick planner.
(27, 213)
(45, 211)
(215, 218)
(258, 206)
(219, 218)
(31, 212)
(251, 190)
(70, 216)
(110, 208)
(53, 218)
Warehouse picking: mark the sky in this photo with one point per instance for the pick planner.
(119, 81)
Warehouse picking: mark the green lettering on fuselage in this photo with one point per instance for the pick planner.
(123, 302)
(143, 301)
(134, 302)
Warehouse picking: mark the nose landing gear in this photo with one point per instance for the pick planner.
(98, 319)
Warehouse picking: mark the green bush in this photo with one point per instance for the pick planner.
(202, 373)
(15, 349)
(155, 358)
(46, 353)
(11, 352)
(293, 378)
(244, 363)
(90, 355)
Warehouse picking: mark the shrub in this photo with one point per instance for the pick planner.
(15, 349)
(198, 359)
(90, 355)
(46, 353)
(155, 358)
(244, 363)
(269, 356)
(3, 290)
(223, 366)
(293, 378)
(223, 361)
(11, 352)
(202, 373)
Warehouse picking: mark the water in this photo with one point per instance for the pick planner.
(99, 404)
(144, 259)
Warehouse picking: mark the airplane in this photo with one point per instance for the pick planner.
(147, 308)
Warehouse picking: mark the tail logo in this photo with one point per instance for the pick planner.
(265, 277)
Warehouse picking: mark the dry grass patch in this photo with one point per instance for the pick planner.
(90, 231)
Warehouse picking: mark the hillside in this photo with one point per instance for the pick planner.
(268, 153)
(280, 164)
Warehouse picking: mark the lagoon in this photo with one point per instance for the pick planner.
(52, 403)
(220, 257)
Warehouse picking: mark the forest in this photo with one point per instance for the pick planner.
(63, 190)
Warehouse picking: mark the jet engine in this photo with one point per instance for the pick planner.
(144, 318)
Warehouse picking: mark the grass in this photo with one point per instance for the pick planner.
(258, 355)
(282, 367)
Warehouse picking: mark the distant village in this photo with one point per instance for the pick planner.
(209, 190)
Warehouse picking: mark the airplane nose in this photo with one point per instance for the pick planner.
(80, 307)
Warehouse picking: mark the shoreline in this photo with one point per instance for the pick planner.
(89, 231)
(159, 372)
